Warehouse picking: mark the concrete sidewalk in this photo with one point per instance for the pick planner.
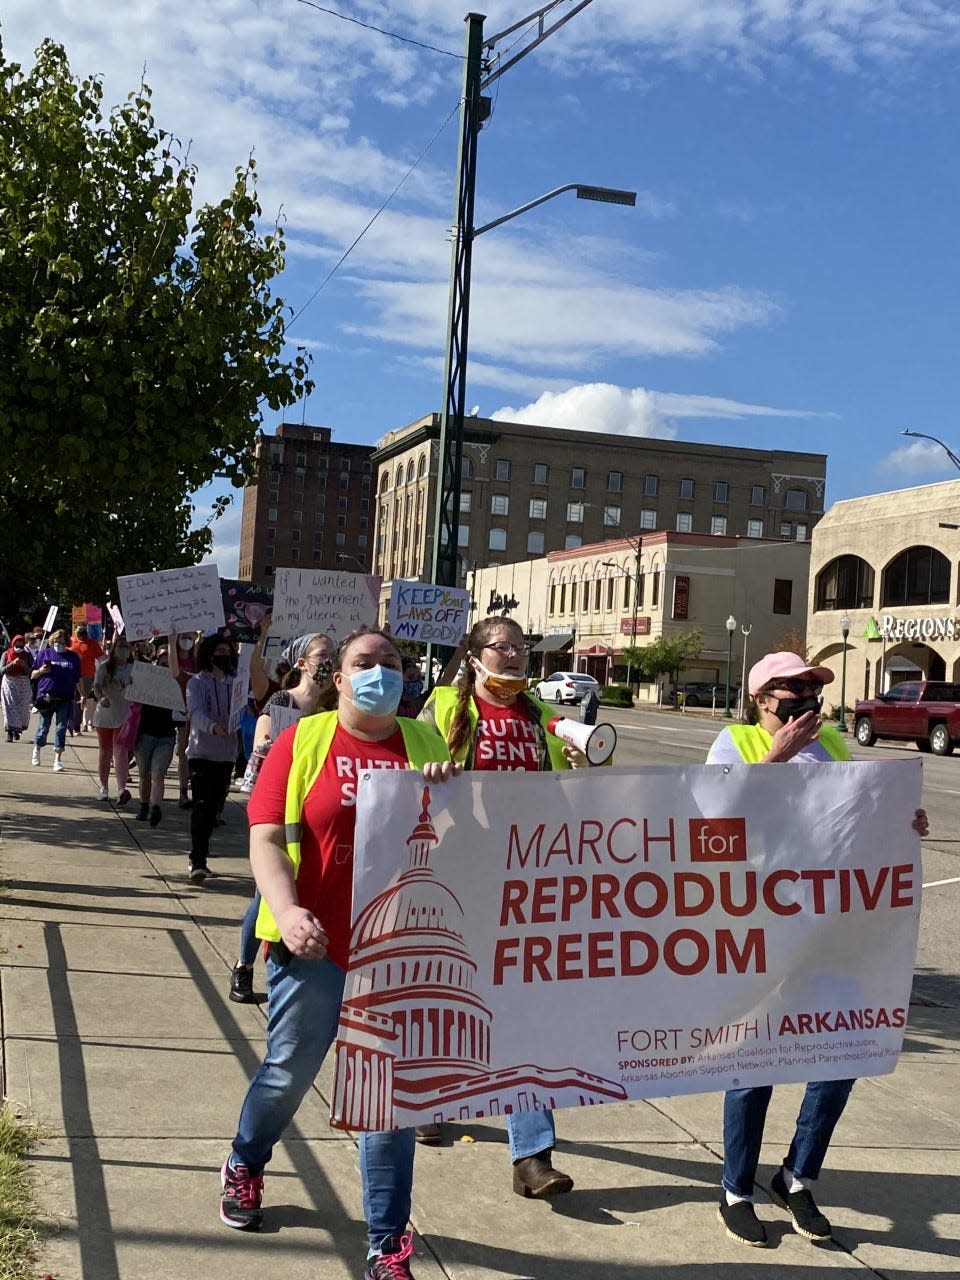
(119, 1037)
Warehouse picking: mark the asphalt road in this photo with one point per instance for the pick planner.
(673, 737)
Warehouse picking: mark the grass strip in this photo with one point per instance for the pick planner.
(19, 1216)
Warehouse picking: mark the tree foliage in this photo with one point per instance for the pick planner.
(793, 641)
(139, 338)
(666, 656)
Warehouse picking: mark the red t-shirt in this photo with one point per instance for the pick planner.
(505, 738)
(325, 880)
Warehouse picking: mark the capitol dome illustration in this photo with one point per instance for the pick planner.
(414, 1024)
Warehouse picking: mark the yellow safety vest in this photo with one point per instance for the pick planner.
(311, 746)
(753, 743)
(442, 707)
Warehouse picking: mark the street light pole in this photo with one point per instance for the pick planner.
(919, 435)
(842, 713)
(731, 628)
(745, 630)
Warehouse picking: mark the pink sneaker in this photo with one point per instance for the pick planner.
(391, 1264)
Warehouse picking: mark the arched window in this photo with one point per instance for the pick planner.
(845, 583)
(422, 466)
(399, 479)
(410, 470)
(384, 481)
(919, 575)
(466, 468)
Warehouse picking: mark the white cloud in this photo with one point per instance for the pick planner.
(918, 458)
(225, 552)
(631, 411)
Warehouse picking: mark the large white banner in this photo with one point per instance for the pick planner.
(429, 614)
(548, 940)
(323, 601)
(188, 599)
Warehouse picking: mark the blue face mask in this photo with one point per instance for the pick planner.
(412, 688)
(376, 691)
(59, 648)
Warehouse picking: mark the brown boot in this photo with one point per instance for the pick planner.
(535, 1178)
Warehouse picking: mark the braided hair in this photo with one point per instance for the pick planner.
(477, 640)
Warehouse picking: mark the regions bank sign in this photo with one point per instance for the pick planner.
(919, 628)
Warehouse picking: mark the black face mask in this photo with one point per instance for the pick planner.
(793, 707)
(224, 663)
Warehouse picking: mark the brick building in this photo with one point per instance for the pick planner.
(313, 505)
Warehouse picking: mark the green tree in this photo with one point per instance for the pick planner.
(139, 339)
(666, 656)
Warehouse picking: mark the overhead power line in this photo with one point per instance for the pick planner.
(368, 26)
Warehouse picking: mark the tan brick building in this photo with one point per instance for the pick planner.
(530, 490)
(890, 563)
(313, 506)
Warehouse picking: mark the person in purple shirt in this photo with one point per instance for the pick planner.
(55, 676)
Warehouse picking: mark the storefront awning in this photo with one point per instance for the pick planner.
(554, 644)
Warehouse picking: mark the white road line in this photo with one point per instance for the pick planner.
(932, 884)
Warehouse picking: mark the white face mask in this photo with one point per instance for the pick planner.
(500, 685)
(185, 643)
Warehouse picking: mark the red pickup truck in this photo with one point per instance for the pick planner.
(928, 711)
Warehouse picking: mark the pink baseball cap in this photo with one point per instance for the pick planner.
(784, 666)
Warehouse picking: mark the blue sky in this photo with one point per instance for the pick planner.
(789, 277)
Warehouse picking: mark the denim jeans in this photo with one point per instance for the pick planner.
(249, 942)
(62, 715)
(744, 1113)
(529, 1133)
(304, 1010)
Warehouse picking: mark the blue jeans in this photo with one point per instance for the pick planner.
(744, 1113)
(529, 1133)
(62, 715)
(249, 942)
(304, 1010)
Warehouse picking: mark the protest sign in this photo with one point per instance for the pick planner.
(117, 617)
(240, 689)
(245, 605)
(50, 619)
(90, 613)
(281, 718)
(435, 615)
(323, 601)
(155, 604)
(154, 686)
(547, 940)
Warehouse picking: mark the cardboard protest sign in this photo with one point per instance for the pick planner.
(50, 619)
(525, 940)
(240, 688)
(429, 614)
(245, 604)
(324, 600)
(281, 718)
(154, 686)
(155, 604)
(117, 617)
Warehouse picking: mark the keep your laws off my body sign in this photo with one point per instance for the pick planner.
(524, 940)
(430, 614)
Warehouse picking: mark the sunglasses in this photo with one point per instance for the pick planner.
(797, 687)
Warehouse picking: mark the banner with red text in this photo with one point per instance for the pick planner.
(547, 940)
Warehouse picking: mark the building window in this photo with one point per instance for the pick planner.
(296, 517)
(268, 570)
(614, 481)
(648, 519)
(796, 500)
(362, 541)
(573, 597)
(422, 466)
(596, 595)
(410, 472)
(611, 517)
(466, 468)
(366, 484)
(295, 535)
(538, 508)
(272, 514)
(758, 495)
(344, 482)
(845, 583)
(684, 522)
(572, 541)
(541, 473)
(466, 502)
(655, 591)
(574, 513)
(318, 539)
(463, 535)
(269, 552)
(641, 587)
(364, 504)
(801, 533)
(323, 462)
(578, 478)
(342, 504)
(321, 500)
(317, 557)
(294, 554)
(651, 486)
(754, 528)
(686, 490)
(919, 575)
(301, 459)
(610, 587)
(272, 535)
(783, 595)
(344, 462)
(341, 539)
(721, 491)
(499, 504)
(497, 540)
(274, 495)
(501, 469)
(718, 525)
(535, 543)
(786, 532)
(553, 597)
(398, 479)
(341, 522)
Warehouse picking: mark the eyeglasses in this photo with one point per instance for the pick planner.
(508, 650)
(798, 687)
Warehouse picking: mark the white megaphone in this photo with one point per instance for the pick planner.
(596, 741)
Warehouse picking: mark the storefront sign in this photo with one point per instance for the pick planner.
(919, 628)
(627, 626)
(681, 597)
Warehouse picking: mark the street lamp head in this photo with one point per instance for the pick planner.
(606, 195)
(731, 624)
(845, 625)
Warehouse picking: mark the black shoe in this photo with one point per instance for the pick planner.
(535, 1178)
(428, 1134)
(155, 816)
(241, 984)
(741, 1223)
(198, 872)
(802, 1208)
(185, 801)
(141, 814)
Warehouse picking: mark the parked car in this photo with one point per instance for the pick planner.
(926, 711)
(700, 693)
(566, 686)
